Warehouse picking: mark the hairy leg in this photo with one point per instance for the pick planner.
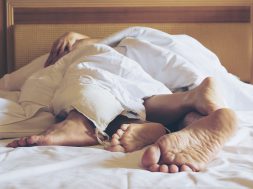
(75, 130)
(194, 146)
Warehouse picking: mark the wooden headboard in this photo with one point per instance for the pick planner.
(225, 28)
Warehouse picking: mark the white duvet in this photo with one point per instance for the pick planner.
(138, 59)
(112, 77)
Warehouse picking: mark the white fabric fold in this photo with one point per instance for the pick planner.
(102, 82)
(96, 80)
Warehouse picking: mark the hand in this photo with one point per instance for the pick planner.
(63, 46)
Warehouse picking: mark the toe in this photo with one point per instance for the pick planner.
(34, 140)
(22, 141)
(185, 168)
(154, 168)
(116, 136)
(124, 127)
(120, 132)
(164, 168)
(151, 156)
(115, 142)
(13, 144)
(173, 168)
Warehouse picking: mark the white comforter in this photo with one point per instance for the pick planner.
(102, 83)
(176, 61)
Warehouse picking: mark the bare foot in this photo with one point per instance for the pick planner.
(193, 147)
(135, 136)
(189, 119)
(76, 130)
(171, 108)
(206, 98)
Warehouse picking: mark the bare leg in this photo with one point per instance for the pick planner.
(75, 130)
(169, 109)
(166, 109)
(135, 135)
(193, 147)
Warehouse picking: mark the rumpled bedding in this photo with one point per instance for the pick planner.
(61, 167)
(160, 63)
(113, 76)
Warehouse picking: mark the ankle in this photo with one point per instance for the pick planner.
(188, 101)
(76, 116)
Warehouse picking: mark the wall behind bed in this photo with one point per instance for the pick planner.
(2, 39)
(222, 25)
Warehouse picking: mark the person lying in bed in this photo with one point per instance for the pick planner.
(201, 121)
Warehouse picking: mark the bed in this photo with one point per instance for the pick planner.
(34, 25)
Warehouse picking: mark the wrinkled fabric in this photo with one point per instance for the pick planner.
(143, 63)
(91, 167)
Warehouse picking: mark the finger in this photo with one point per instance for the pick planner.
(56, 49)
(50, 59)
(47, 63)
(62, 48)
(56, 58)
(70, 46)
(56, 46)
(53, 52)
(75, 44)
(56, 54)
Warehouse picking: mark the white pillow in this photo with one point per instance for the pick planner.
(161, 63)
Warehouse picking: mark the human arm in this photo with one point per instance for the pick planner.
(63, 45)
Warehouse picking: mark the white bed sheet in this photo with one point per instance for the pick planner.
(92, 167)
